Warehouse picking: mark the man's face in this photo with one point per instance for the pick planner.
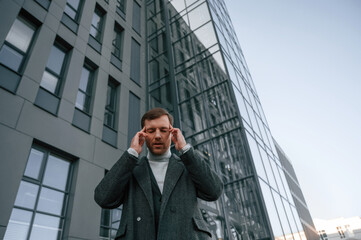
(158, 136)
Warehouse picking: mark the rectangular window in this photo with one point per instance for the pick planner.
(40, 206)
(117, 46)
(97, 24)
(82, 116)
(111, 104)
(84, 96)
(135, 62)
(14, 52)
(121, 7)
(136, 17)
(72, 14)
(17, 43)
(72, 9)
(53, 73)
(96, 28)
(133, 116)
(109, 223)
(48, 96)
(110, 113)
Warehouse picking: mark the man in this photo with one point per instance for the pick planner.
(159, 192)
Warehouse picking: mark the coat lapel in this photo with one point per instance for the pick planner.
(174, 171)
(142, 175)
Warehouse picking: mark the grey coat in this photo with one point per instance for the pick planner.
(187, 177)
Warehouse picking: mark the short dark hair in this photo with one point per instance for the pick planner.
(156, 113)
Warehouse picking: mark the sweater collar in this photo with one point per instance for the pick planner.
(159, 158)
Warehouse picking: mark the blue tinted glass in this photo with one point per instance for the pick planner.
(18, 226)
(45, 227)
(34, 163)
(56, 173)
(10, 58)
(50, 201)
(56, 59)
(27, 194)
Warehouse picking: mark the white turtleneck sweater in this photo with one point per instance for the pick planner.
(159, 166)
(159, 163)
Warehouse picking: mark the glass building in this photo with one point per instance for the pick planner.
(75, 78)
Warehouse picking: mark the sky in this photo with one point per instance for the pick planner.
(305, 60)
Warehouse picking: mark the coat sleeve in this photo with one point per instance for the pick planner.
(111, 190)
(209, 186)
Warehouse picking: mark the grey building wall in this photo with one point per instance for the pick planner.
(22, 123)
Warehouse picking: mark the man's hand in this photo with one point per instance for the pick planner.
(138, 141)
(177, 138)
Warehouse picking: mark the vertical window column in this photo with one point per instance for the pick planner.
(14, 52)
(133, 116)
(71, 14)
(96, 28)
(117, 46)
(121, 5)
(135, 62)
(82, 113)
(40, 206)
(110, 114)
(48, 96)
(136, 17)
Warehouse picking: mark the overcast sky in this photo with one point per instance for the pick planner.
(305, 60)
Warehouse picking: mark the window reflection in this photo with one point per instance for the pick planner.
(33, 197)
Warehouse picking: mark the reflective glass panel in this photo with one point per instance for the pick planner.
(282, 213)
(11, 58)
(56, 59)
(45, 227)
(271, 210)
(49, 82)
(20, 35)
(27, 195)
(18, 226)
(34, 163)
(80, 101)
(50, 201)
(56, 172)
(84, 80)
(256, 158)
(206, 35)
(199, 16)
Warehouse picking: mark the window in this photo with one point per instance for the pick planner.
(117, 46)
(52, 75)
(109, 223)
(135, 62)
(111, 105)
(83, 98)
(48, 97)
(136, 17)
(72, 9)
(39, 210)
(96, 29)
(82, 117)
(14, 52)
(133, 116)
(121, 7)
(97, 24)
(72, 14)
(110, 114)
(17, 43)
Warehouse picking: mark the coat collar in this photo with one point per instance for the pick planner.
(142, 175)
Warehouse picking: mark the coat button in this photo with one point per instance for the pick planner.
(138, 219)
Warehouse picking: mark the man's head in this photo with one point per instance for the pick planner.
(157, 123)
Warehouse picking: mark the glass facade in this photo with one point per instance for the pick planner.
(196, 70)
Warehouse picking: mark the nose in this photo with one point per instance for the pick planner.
(157, 134)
